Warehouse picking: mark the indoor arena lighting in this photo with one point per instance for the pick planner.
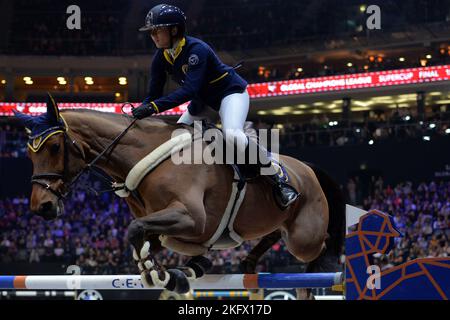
(432, 125)
(407, 118)
(370, 142)
(428, 56)
(122, 81)
(401, 59)
(426, 138)
(62, 81)
(3, 81)
(349, 64)
(447, 131)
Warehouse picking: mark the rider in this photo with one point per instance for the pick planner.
(204, 80)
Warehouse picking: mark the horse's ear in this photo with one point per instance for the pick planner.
(52, 110)
(27, 121)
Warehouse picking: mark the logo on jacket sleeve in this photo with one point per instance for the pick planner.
(193, 59)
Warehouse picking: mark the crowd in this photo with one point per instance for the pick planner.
(397, 126)
(421, 213)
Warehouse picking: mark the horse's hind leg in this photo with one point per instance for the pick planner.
(248, 265)
(172, 221)
(305, 236)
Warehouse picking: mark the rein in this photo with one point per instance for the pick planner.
(37, 178)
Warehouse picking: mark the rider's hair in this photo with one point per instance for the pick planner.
(181, 31)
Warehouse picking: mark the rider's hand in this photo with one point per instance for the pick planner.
(144, 110)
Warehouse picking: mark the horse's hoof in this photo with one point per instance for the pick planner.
(189, 272)
(178, 282)
(157, 279)
(200, 265)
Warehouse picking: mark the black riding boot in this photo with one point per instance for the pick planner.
(284, 194)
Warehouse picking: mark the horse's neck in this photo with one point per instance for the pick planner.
(95, 133)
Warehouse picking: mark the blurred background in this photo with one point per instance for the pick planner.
(369, 106)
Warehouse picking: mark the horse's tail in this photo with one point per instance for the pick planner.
(329, 260)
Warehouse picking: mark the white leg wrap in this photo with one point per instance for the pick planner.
(145, 250)
(192, 275)
(157, 281)
(148, 264)
(135, 255)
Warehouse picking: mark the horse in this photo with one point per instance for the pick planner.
(179, 206)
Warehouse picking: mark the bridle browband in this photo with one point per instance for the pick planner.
(37, 178)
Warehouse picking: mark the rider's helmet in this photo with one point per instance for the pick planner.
(164, 15)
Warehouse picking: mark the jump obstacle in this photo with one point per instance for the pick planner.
(207, 282)
(427, 278)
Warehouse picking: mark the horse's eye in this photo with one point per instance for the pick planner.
(54, 148)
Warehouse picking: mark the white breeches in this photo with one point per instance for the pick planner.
(233, 113)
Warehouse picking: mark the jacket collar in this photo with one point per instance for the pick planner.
(176, 51)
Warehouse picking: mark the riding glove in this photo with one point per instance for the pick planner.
(144, 110)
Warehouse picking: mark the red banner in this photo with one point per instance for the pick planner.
(279, 88)
(350, 81)
(38, 108)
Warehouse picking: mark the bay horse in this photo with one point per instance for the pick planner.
(183, 203)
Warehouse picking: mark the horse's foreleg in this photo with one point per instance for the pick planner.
(175, 220)
(248, 265)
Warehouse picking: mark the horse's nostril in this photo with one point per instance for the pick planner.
(46, 206)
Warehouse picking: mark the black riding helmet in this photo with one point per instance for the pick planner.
(164, 15)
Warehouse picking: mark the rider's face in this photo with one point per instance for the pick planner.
(161, 37)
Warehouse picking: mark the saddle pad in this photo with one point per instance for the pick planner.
(151, 161)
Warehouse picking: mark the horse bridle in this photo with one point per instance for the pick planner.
(37, 178)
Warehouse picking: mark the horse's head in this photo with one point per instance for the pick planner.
(48, 151)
